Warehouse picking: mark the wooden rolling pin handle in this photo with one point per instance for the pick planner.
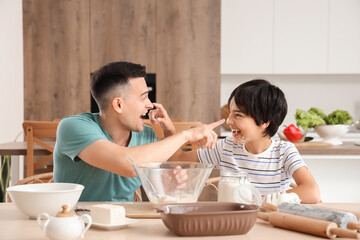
(344, 233)
(263, 216)
(302, 224)
(269, 207)
(354, 226)
(306, 225)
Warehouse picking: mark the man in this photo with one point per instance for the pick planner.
(95, 149)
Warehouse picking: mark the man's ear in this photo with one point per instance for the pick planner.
(117, 103)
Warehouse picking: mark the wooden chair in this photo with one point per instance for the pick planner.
(34, 130)
(157, 128)
(179, 126)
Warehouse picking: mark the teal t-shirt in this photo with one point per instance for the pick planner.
(75, 133)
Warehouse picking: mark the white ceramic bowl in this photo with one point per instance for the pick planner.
(332, 133)
(32, 199)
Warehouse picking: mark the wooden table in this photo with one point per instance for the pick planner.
(14, 225)
(19, 149)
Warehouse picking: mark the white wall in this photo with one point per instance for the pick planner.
(11, 69)
(328, 92)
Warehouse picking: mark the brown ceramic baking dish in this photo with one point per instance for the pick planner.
(208, 218)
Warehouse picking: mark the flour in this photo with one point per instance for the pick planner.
(174, 198)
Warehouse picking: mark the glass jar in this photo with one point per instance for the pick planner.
(234, 186)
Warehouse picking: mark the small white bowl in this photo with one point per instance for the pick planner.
(332, 133)
(33, 199)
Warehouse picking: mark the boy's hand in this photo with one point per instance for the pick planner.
(160, 116)
(204, 136)
(176, 178)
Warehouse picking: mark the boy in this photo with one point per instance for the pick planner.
(257, 109)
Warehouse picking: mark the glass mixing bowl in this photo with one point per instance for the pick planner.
(173, 182)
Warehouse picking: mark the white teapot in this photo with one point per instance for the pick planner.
(65, 225)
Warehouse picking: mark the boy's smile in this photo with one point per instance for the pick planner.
(243, 127)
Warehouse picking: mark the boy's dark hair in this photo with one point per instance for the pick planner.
(111, 78)
(262, 101)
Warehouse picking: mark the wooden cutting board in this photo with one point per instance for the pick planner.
(132, 209)
(312, 144)
(139, 210)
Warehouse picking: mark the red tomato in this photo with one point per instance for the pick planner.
(292, 133)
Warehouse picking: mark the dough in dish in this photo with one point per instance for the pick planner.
(108, 214)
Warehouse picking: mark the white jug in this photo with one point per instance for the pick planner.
(65, 225)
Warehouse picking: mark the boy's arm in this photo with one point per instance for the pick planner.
(307, 188)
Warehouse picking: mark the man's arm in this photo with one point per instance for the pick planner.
(114, 158)
(307, 188)
(184, 156)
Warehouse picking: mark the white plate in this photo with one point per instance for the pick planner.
(113, 226)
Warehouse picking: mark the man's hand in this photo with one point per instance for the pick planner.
(204, 136)
(160, 116)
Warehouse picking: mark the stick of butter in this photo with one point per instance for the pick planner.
(108, 214)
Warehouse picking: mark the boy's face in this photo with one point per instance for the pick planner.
(243, 126)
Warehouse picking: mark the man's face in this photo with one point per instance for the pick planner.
(136, 103)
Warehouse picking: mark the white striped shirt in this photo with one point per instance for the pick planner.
(270, 171)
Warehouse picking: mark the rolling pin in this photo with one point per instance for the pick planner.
(342, 219)
(306, 225)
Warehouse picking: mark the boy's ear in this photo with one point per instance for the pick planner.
(117, 103)
(265, 125)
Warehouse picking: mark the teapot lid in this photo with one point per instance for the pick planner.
(64, 212)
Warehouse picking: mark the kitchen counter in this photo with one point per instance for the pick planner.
(316, 147)
(347, 148)
(14, 225)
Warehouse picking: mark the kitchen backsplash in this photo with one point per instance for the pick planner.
(327, 92)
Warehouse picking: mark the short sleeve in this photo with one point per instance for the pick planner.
(292, 159)
(76, 133)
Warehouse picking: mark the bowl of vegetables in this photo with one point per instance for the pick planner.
(332, 133)
(329, 127)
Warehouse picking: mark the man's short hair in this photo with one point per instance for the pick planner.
(112, 79)
(263, 102)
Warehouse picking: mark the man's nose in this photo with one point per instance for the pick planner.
(149, 104)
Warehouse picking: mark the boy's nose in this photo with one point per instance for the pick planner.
(228, 121)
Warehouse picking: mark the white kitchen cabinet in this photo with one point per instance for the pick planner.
(300, 36)
(290, 37)
(246, 36)
(344, 36)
